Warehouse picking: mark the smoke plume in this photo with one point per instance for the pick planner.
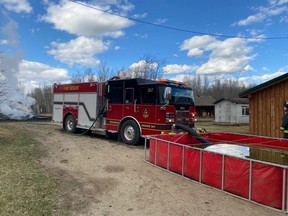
(13, 103)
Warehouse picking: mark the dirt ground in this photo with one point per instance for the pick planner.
(104, 177)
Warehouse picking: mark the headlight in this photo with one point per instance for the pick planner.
(193, 116)
(170, 120)
(170, 117)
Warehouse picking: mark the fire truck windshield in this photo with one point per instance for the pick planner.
(179, 96)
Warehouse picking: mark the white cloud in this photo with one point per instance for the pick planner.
(198, 42)
(280, 2)
(81, 51)
(117, 48)
(9, 34)
(284, 19)
(265, 69)
(80, 20)
(90, 24)
(160, 21)
(195, 52)
(228, 56)
(139, 16)
(284, 69)
(143, 64)
(248, 68)
(139, 68)
(257, 18)
(258, 79)
(34, 74)
(175, 68)
(17, 6)
(264, 13)
(181, 77)
(4, 42)
(143, 36)
(256, 34)
(275, 11)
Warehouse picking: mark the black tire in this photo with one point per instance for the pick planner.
(130, 133)
(70, 124)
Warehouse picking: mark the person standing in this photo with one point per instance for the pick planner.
(284, 125)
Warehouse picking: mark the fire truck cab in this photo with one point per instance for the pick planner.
(132, 108)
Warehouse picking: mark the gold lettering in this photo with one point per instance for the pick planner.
(146, 125)
(71, 88)
(113, 122)
(74, 88)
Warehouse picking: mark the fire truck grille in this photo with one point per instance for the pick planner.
(182, 117)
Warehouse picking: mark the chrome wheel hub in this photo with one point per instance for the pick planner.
(129, 133)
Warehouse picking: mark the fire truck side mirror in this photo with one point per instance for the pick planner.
(167, 93)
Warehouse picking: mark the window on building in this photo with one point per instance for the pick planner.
(245, 111)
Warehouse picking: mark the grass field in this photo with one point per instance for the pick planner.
(26, 189)
(209, 125)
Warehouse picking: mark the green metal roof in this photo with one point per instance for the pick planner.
(263, 85)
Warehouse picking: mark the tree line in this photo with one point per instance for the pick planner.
(148, 67)
(218, 88)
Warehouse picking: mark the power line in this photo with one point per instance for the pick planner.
(177, 29)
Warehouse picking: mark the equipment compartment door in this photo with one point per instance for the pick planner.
(58, 107)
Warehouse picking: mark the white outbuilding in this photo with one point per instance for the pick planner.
(232, 111)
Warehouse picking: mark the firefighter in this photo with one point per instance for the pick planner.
(284, 126)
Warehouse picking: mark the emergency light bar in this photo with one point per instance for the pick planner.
(164, 80)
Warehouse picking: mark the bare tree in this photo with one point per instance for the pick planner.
(152, 68)
(48, 96)
(227, 88)
(77, 77)
(87, 76)
(44, 98)
(124, 73)
(199, 83)
(103, 72)
(148, 67)
(216, 88)
(2, 72)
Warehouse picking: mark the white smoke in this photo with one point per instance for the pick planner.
(13, 103)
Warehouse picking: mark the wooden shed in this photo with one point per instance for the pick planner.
(204, 106)
(266, 106)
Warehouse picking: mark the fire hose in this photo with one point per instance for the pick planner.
(192, 132)
(100, 112)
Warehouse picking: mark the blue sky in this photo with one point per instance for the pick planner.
(241, 39)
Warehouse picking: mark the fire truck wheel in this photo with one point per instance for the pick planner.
(70, 124)
(130, 133)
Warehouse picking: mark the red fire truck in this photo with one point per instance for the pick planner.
(132, 108)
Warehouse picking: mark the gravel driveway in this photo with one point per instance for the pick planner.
(101, 177)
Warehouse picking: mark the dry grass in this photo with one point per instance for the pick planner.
(25, 188)
(5, 132)
(209, 125)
